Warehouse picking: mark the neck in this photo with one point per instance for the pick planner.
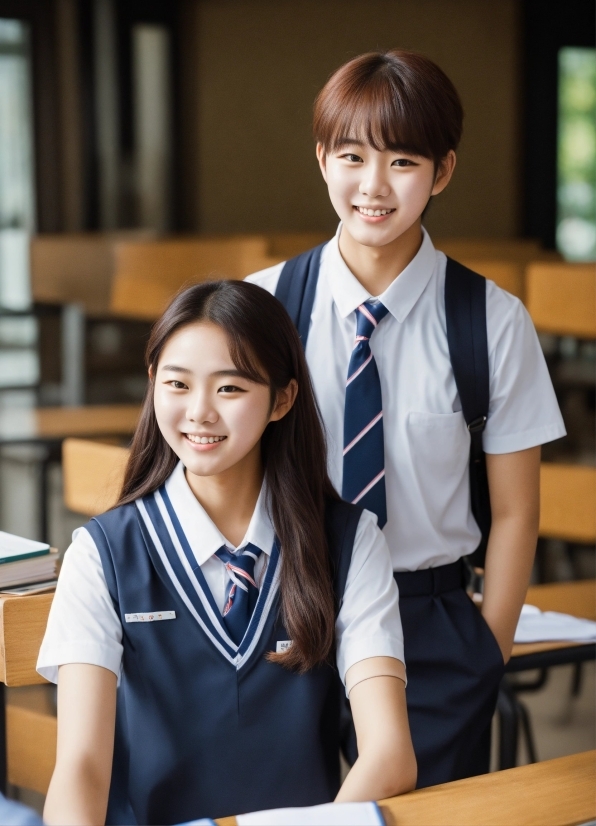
(229, 498)
(377, 267)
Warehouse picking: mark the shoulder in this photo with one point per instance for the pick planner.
(267, 279)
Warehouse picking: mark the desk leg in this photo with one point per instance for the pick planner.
(508, 726)
(43, 505)
(3, 763)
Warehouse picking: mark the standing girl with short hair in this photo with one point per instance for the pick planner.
(373, 316)
(199, 627)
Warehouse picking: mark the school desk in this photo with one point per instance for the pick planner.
(576, 598)
(557, 792)
(49, 426)
(22, 626)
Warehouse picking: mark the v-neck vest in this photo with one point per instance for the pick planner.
(206, 728)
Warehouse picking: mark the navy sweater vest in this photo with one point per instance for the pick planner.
(205, 728)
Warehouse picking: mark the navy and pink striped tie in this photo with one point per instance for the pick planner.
(243, 591)
(364, 449)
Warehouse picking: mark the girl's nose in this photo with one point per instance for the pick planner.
(374, 183)
(201, 411)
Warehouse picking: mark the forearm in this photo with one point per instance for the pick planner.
(514, 486)
(76, 796)
(509, 560)
(386, 764)
(379, 774)
(78, 793)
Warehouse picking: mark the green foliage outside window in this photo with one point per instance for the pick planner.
(576, 194)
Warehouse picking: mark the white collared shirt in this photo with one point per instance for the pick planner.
(430, 521)
(83, 626)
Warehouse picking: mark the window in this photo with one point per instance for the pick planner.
(576, 154)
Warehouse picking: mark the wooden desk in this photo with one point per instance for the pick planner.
(49, 426)
(44, 424)
(23, 623)
(577, 598)
(557, 792)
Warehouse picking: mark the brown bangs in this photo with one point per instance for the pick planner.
(394, 100)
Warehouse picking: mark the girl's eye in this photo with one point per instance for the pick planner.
(177, 385)
(230, 388)
(403, 162)
(352, 158)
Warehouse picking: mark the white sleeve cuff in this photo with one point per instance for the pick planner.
(363, 649)
(78, 652)
(523, 440)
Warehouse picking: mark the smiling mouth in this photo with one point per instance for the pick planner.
(204, 440)
(373, 213)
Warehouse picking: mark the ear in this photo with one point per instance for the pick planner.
(322, 159)
(151, 372)
(444, 172)
(284, 401)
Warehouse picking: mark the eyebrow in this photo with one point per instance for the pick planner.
(174, 368)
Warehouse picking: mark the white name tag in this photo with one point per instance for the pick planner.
(153, 616)
(283, 645)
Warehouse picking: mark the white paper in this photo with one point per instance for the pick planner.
(549, 626)
(329, 814)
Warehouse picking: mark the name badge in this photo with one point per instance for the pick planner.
(153, 616)
(283, 645)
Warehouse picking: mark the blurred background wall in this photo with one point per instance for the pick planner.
(194, 115)
(260, 65)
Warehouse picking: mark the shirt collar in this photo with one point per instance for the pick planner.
(399, 297)
(203, 536)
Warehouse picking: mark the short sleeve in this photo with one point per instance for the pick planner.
(369, 623)
(267, 279)
(83, 626)
(523, 408)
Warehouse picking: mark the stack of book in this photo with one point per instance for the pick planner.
(26, 566)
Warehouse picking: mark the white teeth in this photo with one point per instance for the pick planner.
(204, 440)
(373, 213)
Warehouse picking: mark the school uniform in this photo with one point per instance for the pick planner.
(205, 725)
(454, 662)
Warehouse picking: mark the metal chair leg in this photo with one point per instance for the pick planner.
(576, 684)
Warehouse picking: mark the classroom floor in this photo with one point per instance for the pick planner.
(562, 724)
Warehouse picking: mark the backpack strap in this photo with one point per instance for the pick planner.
(465, 311)
(297, 286)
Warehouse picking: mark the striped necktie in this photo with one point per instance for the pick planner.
(364, 454)
(242, 592)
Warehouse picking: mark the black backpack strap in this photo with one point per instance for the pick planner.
(465, 311)
(297, 286)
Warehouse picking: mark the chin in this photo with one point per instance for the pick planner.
(372, 236)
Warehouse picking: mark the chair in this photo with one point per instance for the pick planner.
(92, 475)
(148, 274)
(561, 298)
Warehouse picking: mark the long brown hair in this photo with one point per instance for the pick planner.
(265, 346)
(397, 100)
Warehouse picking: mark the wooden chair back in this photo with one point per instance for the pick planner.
(93, 473)
(75, 268)
(568, 502)
(147, 275)
(561, 298)
(509, 275)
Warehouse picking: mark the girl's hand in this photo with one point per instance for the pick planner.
(386, 765)
(80, 785)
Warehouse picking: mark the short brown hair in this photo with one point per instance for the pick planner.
(397, 100)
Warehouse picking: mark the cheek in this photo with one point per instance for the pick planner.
(414, 191)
